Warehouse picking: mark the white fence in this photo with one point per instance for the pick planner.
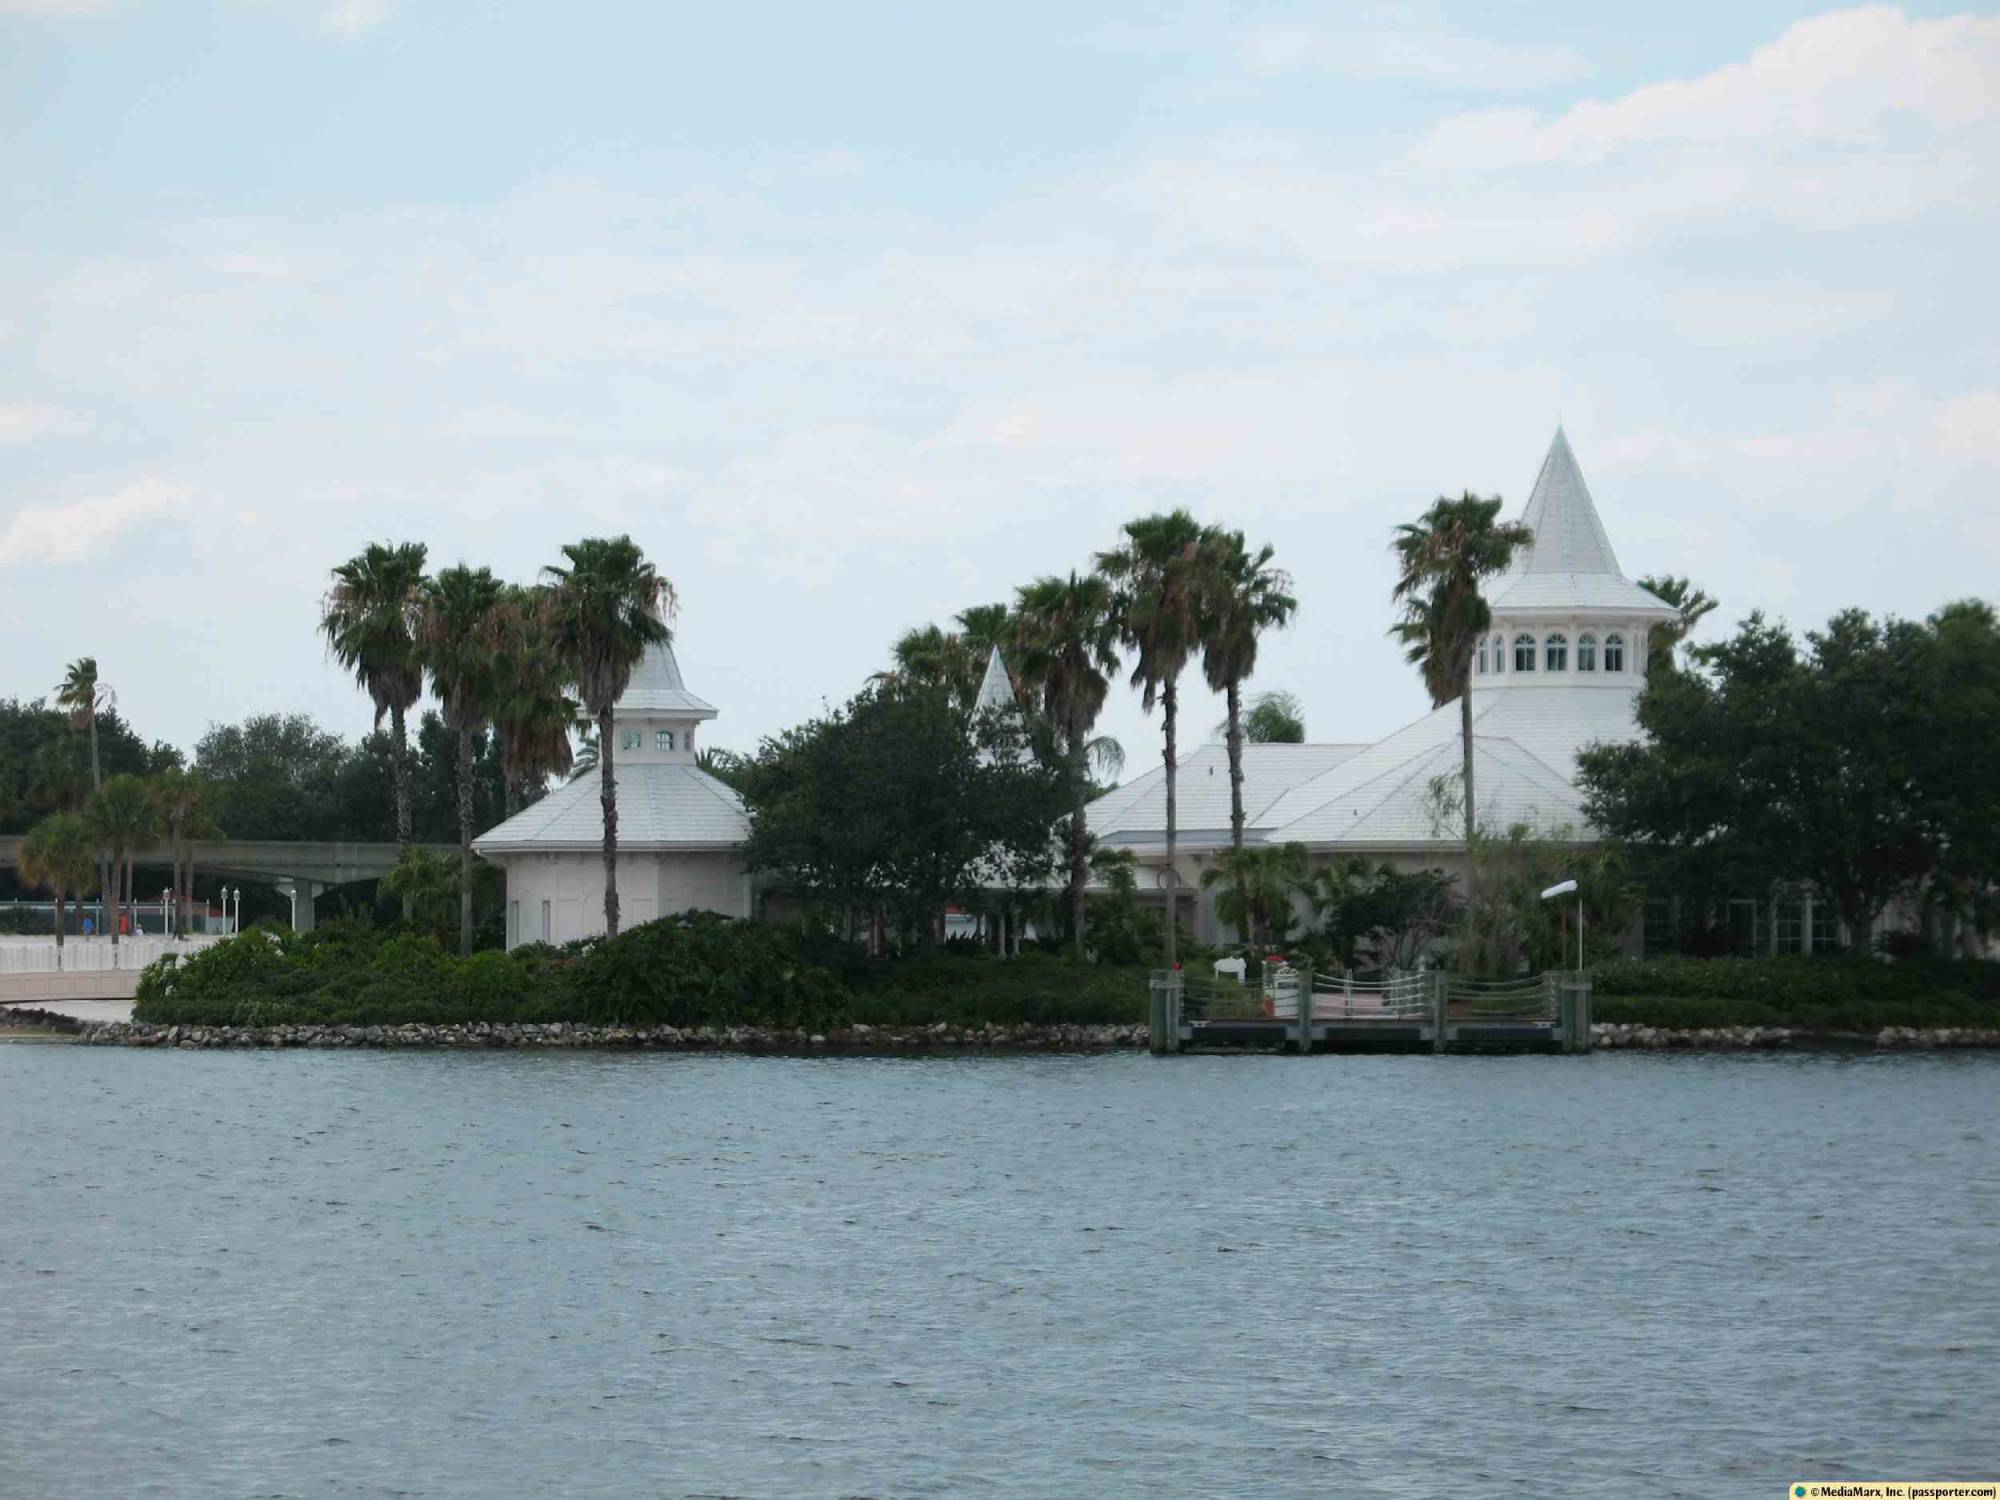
(93, 955)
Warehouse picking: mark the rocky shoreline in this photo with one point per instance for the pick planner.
(877, 1040)
(891, 1040)
(1614, 1037)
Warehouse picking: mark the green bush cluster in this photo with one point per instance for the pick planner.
(1834, 993)
(1035, 989)
(696, 969)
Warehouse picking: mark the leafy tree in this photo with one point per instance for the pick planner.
(898, 802)
(1955, 683)
(274, 776)
(1444, 556)
(1258, 883)
(605, 609)
(1396, 914)
(1691, 604)
(1066, 640)
(1246, 596)
(369, 619)
(456, 632)
(124, 823)
(1275, 718)
(60, 855)
(1163, 576)
(1844, 765)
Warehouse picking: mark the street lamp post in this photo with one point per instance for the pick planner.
(1567, 888)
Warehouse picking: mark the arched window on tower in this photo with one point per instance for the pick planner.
(663, 740)
(1555, 651)
(1524, 652)
(1499, 653)
(1614, 652)
(630, 739)
(1482, 656)
(1586, 652)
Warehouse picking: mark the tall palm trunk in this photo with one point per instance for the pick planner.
(510, 786)
(1465, 746)
(1245, 928)
(464, 843)
(608, 797)
(112, 910)
(1079, 837)
(402, 785)
(59, 927)
(1170, 702)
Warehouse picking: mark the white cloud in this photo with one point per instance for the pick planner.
(56, 9)
(1436, 56)
(350, 19)
(1970, 425)
(1845, 77)
(68, 533)
(21, 424)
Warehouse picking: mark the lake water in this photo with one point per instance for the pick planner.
(527, 1274)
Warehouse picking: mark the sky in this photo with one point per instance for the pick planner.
(854, 316)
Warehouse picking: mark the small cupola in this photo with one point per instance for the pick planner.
(655, 719)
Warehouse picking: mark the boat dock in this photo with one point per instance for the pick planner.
(1295, 1011)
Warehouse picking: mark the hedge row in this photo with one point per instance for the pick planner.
(697, 969)
(1839, 994)
(1035, 989)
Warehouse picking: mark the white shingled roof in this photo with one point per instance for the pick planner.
(1137, 811)
(656, 688)
(1525, 742)
(659, 807)
(1570, 564)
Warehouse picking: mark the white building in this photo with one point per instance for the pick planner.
(1561, 668)
(679, 829)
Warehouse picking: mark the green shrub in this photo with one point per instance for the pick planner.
(1833, 993)
(693, 970)
(1034, 989)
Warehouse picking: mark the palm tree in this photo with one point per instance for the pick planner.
(180, 797)
(605, 609)
(1066, 648)
(1444, 555)
(59, 855)
(1690, 603)
(955, 659)
(79, 693)
(1162, 583)
(456, 634)
(1246, 597)
(1258, 884)
(123, 821)
(369, 618)
(533, 712)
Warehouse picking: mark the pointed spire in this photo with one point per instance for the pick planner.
(996, 688)
(1569, 538)
(656, 687)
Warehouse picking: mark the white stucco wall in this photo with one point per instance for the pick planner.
(566, 891)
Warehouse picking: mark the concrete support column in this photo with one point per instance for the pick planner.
(302, 893)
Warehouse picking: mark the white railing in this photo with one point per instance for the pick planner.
(93, 955)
